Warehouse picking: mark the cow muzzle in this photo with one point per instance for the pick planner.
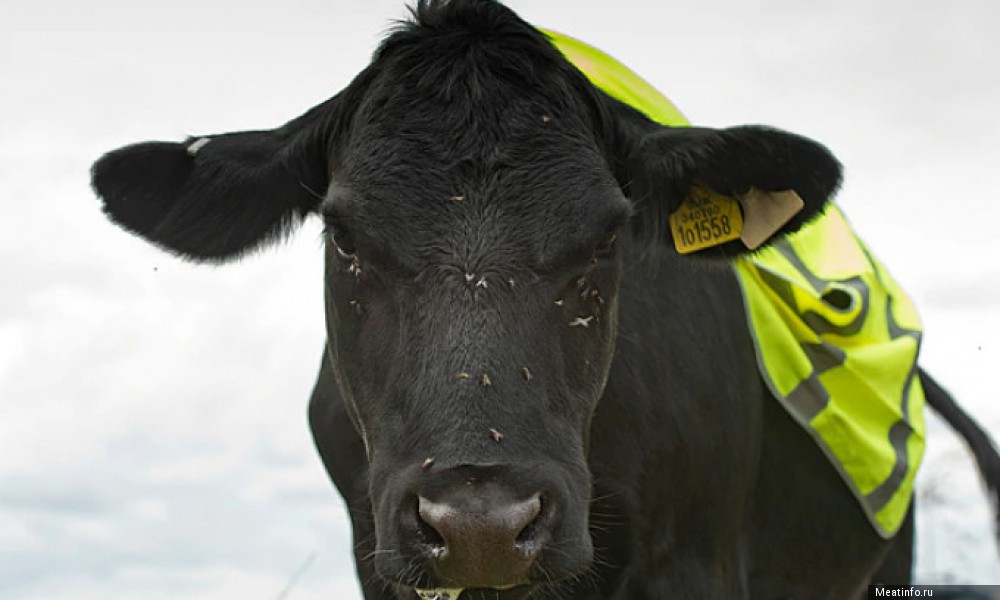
(482, 539)
(481, 528)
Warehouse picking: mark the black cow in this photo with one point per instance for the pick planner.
(524, 389)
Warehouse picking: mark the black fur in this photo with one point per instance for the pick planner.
(238, 192)
(479, 315)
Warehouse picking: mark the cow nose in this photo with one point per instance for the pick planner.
(483, 541)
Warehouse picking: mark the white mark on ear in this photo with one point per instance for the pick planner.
(439, 594)
(197, 145)
(581, 321)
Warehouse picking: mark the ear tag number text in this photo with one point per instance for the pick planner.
(705, 219)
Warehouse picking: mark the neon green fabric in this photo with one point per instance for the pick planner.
(617, 80)
(836, 337)
(837, 342)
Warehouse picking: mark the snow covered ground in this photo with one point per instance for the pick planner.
(153, 441)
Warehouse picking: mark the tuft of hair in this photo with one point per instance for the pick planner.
(470, 42)
(470, 54)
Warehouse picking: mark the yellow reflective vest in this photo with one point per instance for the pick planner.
(836, 338)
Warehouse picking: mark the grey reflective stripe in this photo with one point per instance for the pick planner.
(824, 356)
(783, 246)
(809, 397)
(779, 286)
(900, 431)
(814, 320)
(820, 324)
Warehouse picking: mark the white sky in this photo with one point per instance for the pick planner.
(153, 440)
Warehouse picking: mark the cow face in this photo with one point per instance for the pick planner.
(472, 277)
(480, 199)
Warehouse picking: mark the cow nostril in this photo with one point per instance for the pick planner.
(528, 541)
(534, 514)
(528, 533)
(428, 534)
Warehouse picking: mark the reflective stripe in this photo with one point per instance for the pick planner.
(836, 339)
(809, 397)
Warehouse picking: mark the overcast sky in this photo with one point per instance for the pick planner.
(153, 440)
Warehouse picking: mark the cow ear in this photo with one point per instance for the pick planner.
(775, 181)
(216, 197)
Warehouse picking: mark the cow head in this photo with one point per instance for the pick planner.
(480, 198)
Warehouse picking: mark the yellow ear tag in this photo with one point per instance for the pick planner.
(705, 219)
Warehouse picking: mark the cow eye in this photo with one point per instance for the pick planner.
(606, 247)
(344, 243)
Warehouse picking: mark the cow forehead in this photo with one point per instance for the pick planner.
(471, 134)
(528, 171)
(490, 140)
(513, 166)
(541, 208)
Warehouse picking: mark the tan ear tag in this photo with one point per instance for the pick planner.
(705, 219)
(764, 213)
